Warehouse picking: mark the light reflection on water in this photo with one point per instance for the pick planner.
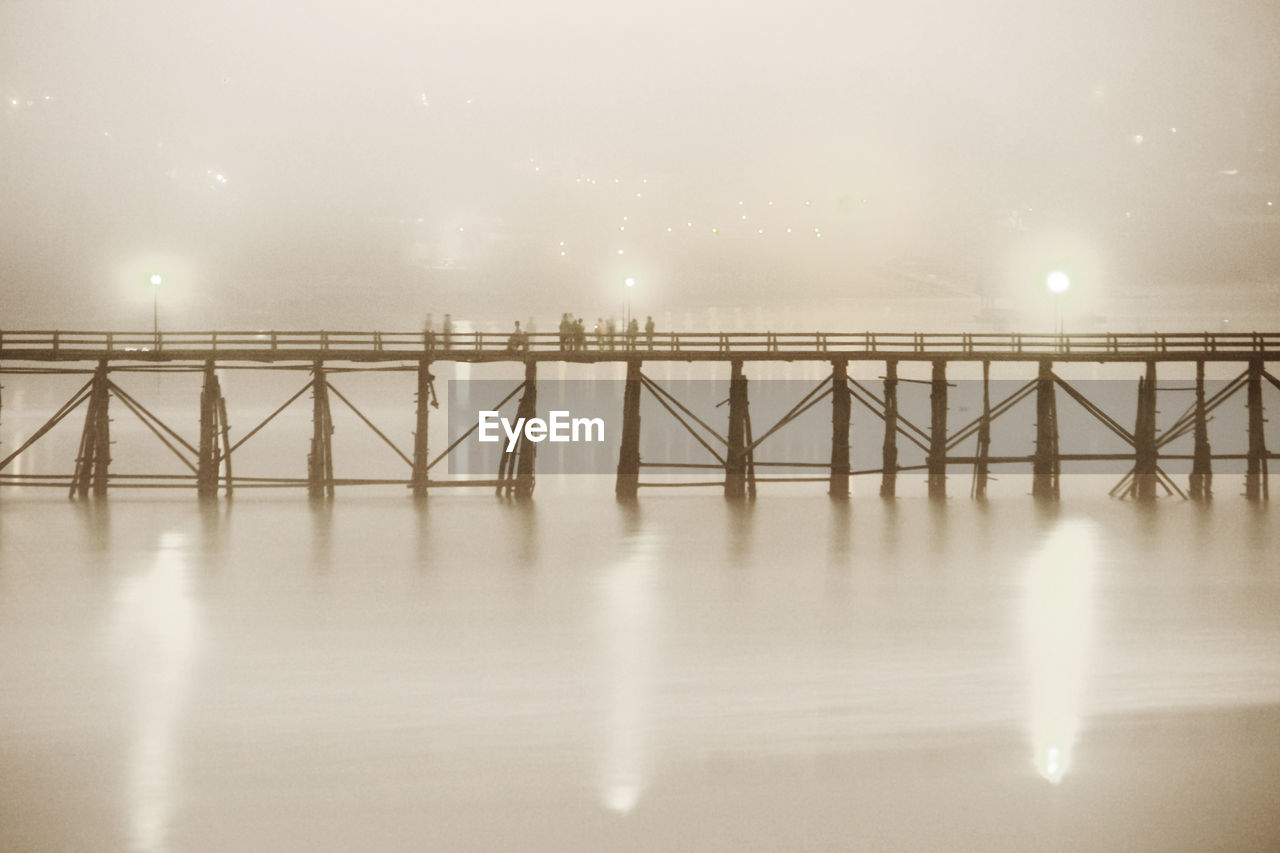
(626, 604)
(1058, 630)
(155, 633)
(818, 672)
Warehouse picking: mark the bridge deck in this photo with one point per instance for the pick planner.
(354, 346)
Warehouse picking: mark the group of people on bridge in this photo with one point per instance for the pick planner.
(608, 335)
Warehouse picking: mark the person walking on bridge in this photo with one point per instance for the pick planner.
(648, 330)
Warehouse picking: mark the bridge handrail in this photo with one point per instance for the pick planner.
(887, 343)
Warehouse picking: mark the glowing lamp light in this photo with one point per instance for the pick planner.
(1058, 282)
(630, 282)
(156, 280)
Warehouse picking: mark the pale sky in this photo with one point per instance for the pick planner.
(310, 152)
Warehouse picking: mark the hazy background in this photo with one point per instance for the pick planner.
(328, 164)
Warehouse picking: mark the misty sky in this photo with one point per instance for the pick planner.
(320, 158)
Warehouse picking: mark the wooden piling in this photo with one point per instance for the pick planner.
(1202, 461)
(94, 460)
(735, 468)
(937, 457)
(210, 449)
(1145, 457)
(1256, 486)
(889, 454)
(526, 449)
(841, 409)
(628, 479)
(420, 450)
(320, 460)
(1046, 464)
(981, 471)
(226, 443)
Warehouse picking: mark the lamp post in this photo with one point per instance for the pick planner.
(156, 281)
(626, 315)
(1058, 283)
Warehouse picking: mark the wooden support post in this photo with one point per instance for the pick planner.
(889, 465)
(937, 458)
(1202, 462)
(1255, 478)
(841, 408)
(94, 461)
(1145, 455)
(210, 453)
(527, 450)
(320, 460)
(627, 484)
(420, 458)
(226, 440)
(1046, 463)
(980, 468)
(735, 467)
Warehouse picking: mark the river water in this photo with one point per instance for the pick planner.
(681, 674)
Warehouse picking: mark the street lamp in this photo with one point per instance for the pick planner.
(156, 281)
(1058, 283)
(630, 283)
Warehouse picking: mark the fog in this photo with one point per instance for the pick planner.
(308, 164)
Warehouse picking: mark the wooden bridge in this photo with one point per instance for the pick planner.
(732, 451)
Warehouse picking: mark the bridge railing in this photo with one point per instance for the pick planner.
(886, 343)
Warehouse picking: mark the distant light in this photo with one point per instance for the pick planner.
(668, 228)
(561, 242)
(744, 216)
(562, 254)
(630, 282)
(771, 204)
(715, 230)
(1269, 204)
(14, 102)
(1173, 130)
(1058, 282)
(759, 230)
(689, 224)
(806, 204)
(788, 230)
(639, 196)
(156, 280)
(740, 204)
(459, 227)
(620, 252)
(622, 228)
(1138, 139)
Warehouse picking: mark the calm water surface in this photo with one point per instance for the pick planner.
(685, 674)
